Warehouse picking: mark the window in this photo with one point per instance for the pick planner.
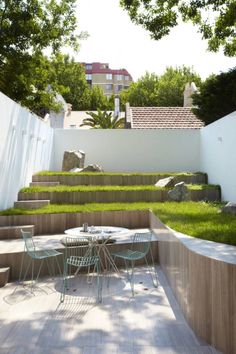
(109, 76)
(88, 77)
(119, 77)
(104, 66)
(126, 78)
(109, 87)
(88, 66)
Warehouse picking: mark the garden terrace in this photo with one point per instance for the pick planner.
(121, 179)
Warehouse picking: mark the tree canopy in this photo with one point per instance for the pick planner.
(161, 91)
(216, 97)
(215, 19)
(27, 28)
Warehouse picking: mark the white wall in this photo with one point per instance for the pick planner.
(218, 151)
(131, 150)
(25, 148)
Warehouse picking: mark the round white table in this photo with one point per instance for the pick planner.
(101, 236)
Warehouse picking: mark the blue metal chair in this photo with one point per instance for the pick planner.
(140, 248)
(80, 252)
(37, 254)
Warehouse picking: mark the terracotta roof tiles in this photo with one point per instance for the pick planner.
(164, 118)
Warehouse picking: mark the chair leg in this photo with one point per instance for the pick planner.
(132, 278)
(99, 283)
(64, 284)
(154, 277)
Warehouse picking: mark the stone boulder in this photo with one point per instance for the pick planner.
(179, 193)
(73, 159)
(92, 168)
(229, 208)
(166, 182)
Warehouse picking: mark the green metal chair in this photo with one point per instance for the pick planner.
(81, 252)
(140, 248)
(37, 254)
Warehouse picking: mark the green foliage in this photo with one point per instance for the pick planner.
(166, 90)
(103, 120)
(156, 174)
(110, 188)
(217, 97)
(215, 19)
(197, 219)
(26, 29)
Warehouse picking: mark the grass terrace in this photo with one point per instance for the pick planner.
(82, 188)
(162, 174)
(197, 219)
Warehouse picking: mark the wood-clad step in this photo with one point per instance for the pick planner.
(119, 179)
(44, 184)
(13, 232)
(31, 204)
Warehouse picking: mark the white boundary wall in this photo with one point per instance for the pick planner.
(25, 148)
(218, 151)
(131, 150)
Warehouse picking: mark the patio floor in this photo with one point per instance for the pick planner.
(149, 323)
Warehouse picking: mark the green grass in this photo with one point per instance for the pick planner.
(197, 219)
(82, 188)
(56, 173)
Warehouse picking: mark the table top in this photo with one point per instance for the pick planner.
(99, 231)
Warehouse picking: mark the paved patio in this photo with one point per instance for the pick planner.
(149, 323)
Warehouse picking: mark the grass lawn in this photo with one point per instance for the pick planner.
(197, 219)
(83, 188)
(163, 174)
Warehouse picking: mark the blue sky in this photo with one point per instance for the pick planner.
(116, 40)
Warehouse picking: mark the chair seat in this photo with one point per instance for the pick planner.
(82, 261)
(129, 255)
(53, 253)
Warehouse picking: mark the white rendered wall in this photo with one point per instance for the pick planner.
(218, 151)
(25, 148)
(131, 150)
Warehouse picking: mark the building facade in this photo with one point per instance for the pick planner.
(112, 81)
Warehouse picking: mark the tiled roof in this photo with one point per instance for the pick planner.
(164, 118)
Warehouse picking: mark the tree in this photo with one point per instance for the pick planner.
(26, 29)
(217, 97)
(215, 19)
(103, 120)
(160, 91)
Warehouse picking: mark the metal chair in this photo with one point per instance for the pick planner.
(37, 254)
(140, 248)
(81, 252)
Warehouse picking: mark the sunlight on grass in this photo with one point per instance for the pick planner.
(197, 219)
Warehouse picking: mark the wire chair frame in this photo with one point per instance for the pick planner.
(36, 254)
(140, 248)
(81, 252)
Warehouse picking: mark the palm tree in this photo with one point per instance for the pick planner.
(103, 120)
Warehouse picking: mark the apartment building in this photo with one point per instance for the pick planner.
(112, 81)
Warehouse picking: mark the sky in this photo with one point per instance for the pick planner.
(114, 39)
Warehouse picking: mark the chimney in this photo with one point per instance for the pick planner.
(190, 88)
(128, 116)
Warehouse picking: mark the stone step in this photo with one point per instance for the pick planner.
(13, 232)
(31, 204)
(44, 184)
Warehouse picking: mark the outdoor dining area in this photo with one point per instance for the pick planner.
(86, 249)
(104, 292)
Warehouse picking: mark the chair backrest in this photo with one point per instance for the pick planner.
(142, 242)
(29, 242)
(80, 246)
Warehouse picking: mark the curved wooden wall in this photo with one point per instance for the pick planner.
(204, 287)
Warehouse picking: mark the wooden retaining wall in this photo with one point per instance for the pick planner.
(58, 223)
(204, 287)
(118, 180)
(159, 195)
